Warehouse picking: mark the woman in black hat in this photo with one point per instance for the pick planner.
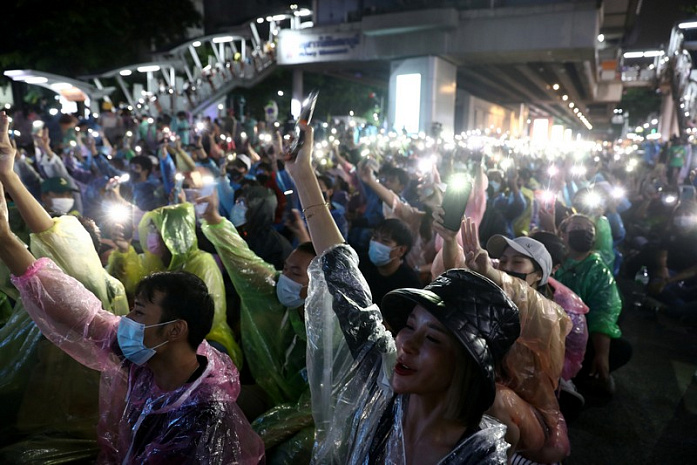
(418, 397)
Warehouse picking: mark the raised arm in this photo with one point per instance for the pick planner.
(31, 210)
(366, 174)
(323, 230)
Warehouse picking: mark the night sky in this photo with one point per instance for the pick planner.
(656, 19)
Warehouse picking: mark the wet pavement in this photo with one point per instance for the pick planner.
(652, 419)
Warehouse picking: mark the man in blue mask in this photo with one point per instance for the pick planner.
(386, 269)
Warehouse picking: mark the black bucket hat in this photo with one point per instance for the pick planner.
(477, 311)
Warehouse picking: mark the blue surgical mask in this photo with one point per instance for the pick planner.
(154, 244)
(379, 253)
(238, 215)
(495, 185)
(130, 337)
(288, 292)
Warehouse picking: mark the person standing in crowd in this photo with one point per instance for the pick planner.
(584, 272)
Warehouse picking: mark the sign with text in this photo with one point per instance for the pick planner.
(296, 47)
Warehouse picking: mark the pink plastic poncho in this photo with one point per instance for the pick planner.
(139, 423)
(577, 338)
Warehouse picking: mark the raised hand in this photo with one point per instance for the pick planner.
(477, 259)
(210, 214)
(304, 159)
(7, 149)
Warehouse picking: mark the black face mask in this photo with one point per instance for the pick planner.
(235, 175)
(581, 240)
(515, 274)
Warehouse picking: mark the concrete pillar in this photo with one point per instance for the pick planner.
(298, 95)
(668, 124)
(422, 92)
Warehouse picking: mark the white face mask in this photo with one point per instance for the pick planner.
(62, 206)
(288, 292)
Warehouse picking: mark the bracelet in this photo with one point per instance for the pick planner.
(325, 204)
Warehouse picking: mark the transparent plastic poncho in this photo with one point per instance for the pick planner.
(177, 226)
(42, 390)
(139, 423)
(273, 338)
(350, 359)
(533, 366)
(576, 340)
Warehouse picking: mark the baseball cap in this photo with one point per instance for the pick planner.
(57, 184)
(526, 246)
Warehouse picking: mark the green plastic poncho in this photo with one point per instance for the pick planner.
(177, 226)
(274, 342)
(43, 390)
(603, 241)
(593, 282)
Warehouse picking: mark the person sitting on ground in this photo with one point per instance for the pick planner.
(529, 374)
(273, 325)
(166, 395)
(168, 238)
(57, 195)
(386, 268)
(585, 273)
(420, 396)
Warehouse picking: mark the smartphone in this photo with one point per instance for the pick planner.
(178, 186)
(305, 117)
(455, 200)
(290, 203)
(205, 191)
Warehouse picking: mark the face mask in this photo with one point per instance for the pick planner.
(236, 175)
(62, 206)
(515, 274)
(581, 240)
(154, 244)
(495, 185)
(130, 337)
(238, 215)
(263, 178)
(379, 253)
(288, 292)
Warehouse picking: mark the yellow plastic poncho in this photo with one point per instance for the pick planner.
(177, 226)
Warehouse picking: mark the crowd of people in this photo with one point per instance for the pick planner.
(180, 291)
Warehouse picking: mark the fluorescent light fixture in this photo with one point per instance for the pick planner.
(58, 86)
(147, 69)
(633, 54)
(260, 20)
(303, 12)
(222, 40)
(688, 25)
(13, 73)
(36, 80)
(125, 72)
(279, 17)
(408, 102)
(196, 43)
(653, 53)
